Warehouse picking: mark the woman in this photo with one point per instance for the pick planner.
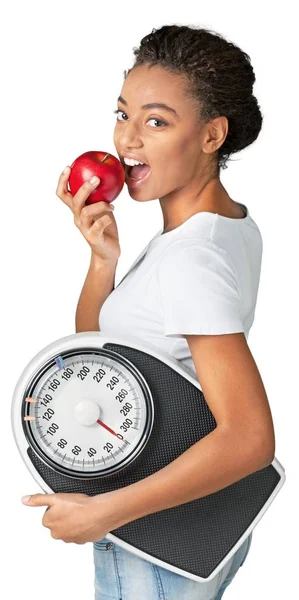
(185, 107)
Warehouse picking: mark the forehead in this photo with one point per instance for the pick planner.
(155, 84)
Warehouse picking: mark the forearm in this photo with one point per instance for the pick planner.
(215, 462)
(99, 283)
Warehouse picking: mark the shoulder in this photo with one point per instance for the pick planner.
(200, 254)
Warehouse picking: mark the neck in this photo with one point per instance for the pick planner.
(178, 206)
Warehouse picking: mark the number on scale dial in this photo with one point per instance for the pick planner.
(88, 414)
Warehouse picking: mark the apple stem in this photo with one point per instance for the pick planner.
(103, 160)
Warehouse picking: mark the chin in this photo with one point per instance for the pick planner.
(140, 195)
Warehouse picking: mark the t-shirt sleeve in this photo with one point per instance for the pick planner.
(199, 290)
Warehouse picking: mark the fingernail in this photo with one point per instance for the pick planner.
(65, 170)
(25, 499)
(94, 179)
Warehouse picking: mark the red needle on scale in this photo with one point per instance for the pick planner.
(118, 435)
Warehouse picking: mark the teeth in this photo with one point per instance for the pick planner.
(132, 162)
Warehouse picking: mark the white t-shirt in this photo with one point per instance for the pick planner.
(200, 278)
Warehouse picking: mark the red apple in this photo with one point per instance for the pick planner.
(105, 166)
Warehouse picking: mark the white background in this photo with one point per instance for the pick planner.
(61, 72)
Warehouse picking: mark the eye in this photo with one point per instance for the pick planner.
(118, 111)
(157, 121)
(152, 119)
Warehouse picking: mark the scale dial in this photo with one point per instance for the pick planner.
(88, 413)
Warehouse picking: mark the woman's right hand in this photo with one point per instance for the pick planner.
(96, 225)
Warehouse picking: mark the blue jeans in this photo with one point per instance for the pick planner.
(121, 575)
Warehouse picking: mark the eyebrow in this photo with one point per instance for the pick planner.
(151, 105)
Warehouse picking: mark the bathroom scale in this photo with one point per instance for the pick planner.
(92, 413)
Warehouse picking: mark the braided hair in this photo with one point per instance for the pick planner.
(219, 78)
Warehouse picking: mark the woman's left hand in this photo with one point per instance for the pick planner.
(76, 518)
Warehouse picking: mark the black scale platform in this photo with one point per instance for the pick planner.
(195, 536)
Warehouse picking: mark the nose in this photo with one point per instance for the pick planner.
(128, 135)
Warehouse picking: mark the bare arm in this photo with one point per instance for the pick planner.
(98, 226)
(242, 443)
(98, 285)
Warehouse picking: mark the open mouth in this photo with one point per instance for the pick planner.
(137, 172)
